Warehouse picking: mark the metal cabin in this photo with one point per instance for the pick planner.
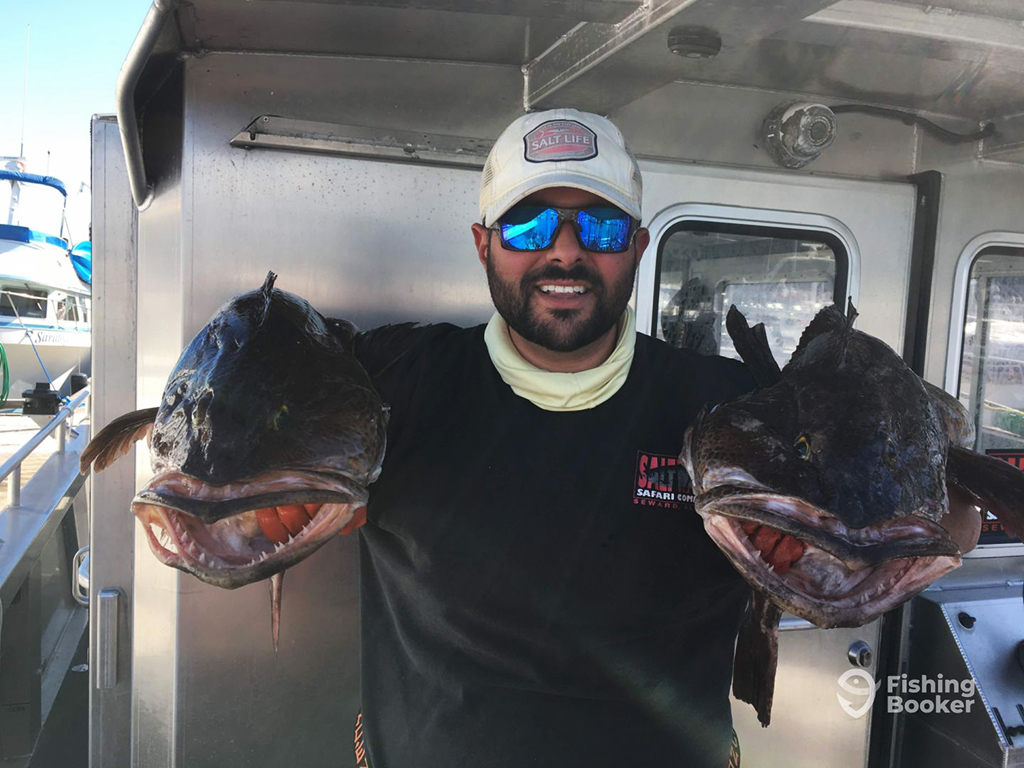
(321, 138)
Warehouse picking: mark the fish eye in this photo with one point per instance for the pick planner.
(279, 418)
(889, 454)
(803, 447)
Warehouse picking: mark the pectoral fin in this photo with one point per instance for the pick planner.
(116, 439)
(995, 486)
(757, 656)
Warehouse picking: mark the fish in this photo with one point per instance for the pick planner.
(828, 486)
(267, 436)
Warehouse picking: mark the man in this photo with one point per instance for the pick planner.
(527, 598)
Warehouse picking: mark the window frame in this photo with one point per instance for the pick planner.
(955, 345)
(750, 221)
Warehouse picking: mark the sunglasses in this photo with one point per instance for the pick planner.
(604, 229)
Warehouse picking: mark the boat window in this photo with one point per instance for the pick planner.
(991, 383)
(67, 309)
(992, 363)
(777, 276)
(26, 302)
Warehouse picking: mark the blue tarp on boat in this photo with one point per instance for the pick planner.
(34, 178)
(81, 259)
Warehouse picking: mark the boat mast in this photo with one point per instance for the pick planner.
(24, 92)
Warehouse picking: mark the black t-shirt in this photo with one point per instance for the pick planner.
(537, 589)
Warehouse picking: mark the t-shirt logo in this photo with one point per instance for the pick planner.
(661, 481)
(560, 140)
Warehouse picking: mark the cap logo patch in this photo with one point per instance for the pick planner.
(558, 140)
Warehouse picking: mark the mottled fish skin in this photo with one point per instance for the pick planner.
(844, 449)
(267, 411)
(268, 384)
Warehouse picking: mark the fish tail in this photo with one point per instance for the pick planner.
(757, 656)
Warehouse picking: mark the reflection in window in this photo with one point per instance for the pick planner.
(779, 277)
(21, 301)
(67, 309)
(992, 365)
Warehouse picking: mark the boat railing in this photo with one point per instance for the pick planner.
(59, 423)
(41, 622)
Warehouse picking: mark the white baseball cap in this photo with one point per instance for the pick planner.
(559, 148)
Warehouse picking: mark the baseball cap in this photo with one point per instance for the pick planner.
(559, 148)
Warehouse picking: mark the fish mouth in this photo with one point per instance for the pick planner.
(844, 576)
(234, 534)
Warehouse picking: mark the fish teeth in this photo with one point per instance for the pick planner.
(203, 559)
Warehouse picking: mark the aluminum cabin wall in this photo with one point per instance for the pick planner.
(978, 196)
(370, 241)
(114, 291)
(720, 124)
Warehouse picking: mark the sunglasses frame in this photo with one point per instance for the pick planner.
(564, 215)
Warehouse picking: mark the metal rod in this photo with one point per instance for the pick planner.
(13, 464)
(24, 93)
(127, 80)
(62, 436)
(14, 487)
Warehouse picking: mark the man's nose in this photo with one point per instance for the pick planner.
(566, 247)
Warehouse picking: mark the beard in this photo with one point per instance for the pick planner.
(566, 330)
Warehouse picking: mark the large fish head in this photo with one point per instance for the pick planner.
(810, 514)
(869, 428)
(267, 436)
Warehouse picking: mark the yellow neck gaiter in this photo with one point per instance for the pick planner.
(561, 391)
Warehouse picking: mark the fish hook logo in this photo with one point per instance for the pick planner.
(860, 683)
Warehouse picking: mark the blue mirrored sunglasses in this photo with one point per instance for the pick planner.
(604, 229)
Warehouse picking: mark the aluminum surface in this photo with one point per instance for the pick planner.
(511, 38)
(985, 652)
(990, 43)
(624, 61)
(809, 729)
(604, 11)
(114, 235)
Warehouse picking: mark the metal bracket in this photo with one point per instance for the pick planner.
(273, 132)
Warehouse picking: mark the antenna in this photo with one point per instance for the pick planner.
(24, 95)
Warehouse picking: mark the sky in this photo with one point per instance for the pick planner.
(75, 50)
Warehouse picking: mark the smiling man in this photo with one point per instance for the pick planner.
(536, 587)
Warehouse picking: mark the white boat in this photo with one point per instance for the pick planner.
(44, 298)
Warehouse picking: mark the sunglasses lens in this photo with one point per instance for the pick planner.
(528, 227)
(604, 229)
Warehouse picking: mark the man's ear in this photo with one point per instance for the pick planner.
(481, 237)
(641, 240)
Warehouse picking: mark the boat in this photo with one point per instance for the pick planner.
(45, 288)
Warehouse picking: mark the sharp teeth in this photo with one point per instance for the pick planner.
(263, 556)
(202, 559)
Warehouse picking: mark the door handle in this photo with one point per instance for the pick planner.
(80, 576)
(108, 610)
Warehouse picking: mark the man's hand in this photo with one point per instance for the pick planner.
(963, 520)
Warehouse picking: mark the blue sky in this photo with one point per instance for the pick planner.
(75, 52)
